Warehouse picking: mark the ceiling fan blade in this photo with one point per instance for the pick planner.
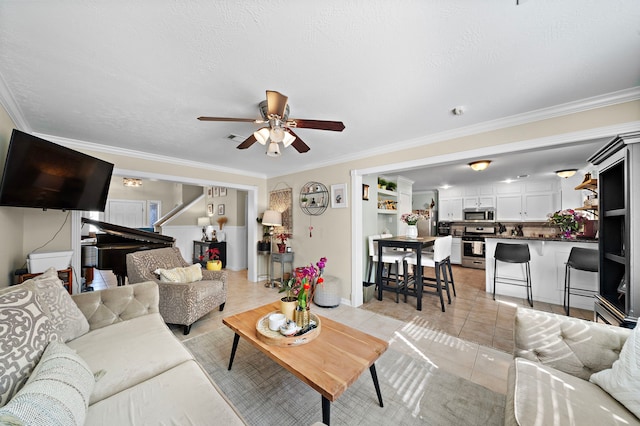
(244, 120)
(247, 142)
(298, 144)
(276, 103)
(336, 126)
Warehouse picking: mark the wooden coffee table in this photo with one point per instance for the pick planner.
(329, 364)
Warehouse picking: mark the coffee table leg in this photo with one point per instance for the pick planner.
(326, 411)
(374, 376)
(236, 339)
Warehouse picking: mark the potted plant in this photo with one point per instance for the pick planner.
(391, 186)
(282, 245)
(214, 263)
(382, 183)
(288, 302)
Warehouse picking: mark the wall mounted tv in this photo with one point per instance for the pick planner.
(45, 175)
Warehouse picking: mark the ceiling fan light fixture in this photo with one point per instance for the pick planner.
(273, 150)
(566, 173)
(262, 135)
(276, 134)
(288, 139)
(480, 165)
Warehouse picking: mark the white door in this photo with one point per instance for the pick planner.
(129, 213)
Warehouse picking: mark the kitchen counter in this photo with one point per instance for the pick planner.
(513, 237)
(548, 260)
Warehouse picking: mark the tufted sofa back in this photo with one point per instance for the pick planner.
(571, 345)
(106, 307)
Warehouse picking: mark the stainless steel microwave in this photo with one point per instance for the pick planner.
(479, 215)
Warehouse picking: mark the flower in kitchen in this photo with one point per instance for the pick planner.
(411, 218)
(567, 220)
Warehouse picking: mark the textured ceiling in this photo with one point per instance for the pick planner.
(136, 74)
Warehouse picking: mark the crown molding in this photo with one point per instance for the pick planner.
(11, 106)
(83, 145)
(614, 98)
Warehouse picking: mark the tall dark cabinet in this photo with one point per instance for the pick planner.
(618, 162)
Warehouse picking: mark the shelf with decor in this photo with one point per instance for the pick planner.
(591, 203)
(314, 198)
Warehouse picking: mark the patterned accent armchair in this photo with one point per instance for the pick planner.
(180, 303)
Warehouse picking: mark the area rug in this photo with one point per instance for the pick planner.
(414, 391)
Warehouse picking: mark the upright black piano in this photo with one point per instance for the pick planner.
(112, 246)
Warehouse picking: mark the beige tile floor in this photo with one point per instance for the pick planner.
(472, 339)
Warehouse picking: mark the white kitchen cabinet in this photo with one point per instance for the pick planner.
(537, 206)
(509, 207)
(456, 250)
(479, 202)
(450, 209)
(531, 207)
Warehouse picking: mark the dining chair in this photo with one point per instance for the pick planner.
(439, 260)
(391, 258)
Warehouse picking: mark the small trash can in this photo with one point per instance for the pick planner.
(369, 291)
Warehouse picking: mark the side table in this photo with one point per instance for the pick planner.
(66, 275)
(281, 258)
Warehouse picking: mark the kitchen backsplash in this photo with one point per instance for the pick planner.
(529, 229)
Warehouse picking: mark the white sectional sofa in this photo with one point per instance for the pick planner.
(557, 362)
(113, 361)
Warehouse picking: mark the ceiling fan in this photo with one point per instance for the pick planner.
(275, 112)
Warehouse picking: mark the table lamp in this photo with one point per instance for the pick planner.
(204, 222)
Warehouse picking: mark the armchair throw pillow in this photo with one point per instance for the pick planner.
(187, 274)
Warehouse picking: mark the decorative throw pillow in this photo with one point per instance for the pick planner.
(622, 380)
(57, 393)
(67, 319)
(188, 274)
(25, 330)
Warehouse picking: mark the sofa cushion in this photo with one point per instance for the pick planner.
(545, 396)
(572, 345)
(622, 380)
(187, 274)
(65, 315)
(57, 393)
(25, 331)
(128, 353)
(183, 395)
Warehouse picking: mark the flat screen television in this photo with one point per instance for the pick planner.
(42, 174)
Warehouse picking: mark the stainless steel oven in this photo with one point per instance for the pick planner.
(473, 246)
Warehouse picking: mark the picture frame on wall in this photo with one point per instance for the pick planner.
(220, 209)
(223, 191)
(210, 209)
(216, 191)
(339, 196)
(365, 192)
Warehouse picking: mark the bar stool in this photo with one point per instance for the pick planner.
(584, 260)
(439, 259)
(513, 253)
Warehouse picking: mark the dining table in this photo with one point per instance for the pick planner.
(415, 244)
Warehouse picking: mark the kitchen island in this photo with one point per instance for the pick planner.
(548, 259)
